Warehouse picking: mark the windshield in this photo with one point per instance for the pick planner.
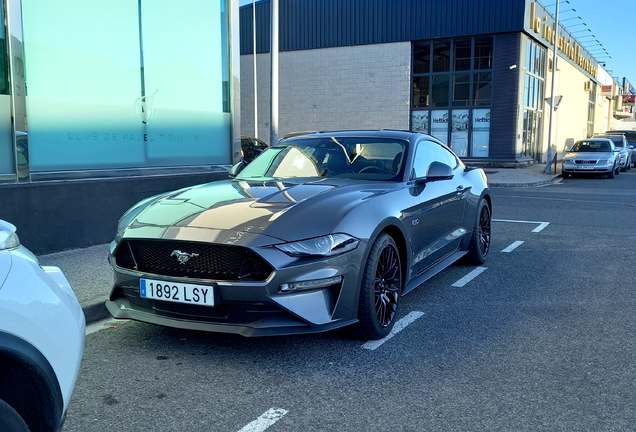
(325, 157)
(591, 146)
(616, 139)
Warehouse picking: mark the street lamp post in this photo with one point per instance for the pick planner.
(255, 74)
(273, 133)
(554, 68)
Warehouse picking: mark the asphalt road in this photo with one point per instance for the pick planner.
(543, 339)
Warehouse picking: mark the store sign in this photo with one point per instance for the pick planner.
(606, 90)
(567, 46)
(629, 99)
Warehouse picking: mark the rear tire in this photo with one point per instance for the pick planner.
(10, 420)
(480, 239)
(380, 291)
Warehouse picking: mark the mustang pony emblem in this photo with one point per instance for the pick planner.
(183, 257)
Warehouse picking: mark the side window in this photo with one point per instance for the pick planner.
(428, 152)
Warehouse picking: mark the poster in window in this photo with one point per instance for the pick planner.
(419, 121)
(439, 125)
(481, 132)
(459, 135)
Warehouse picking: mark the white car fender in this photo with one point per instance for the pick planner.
(40, 307)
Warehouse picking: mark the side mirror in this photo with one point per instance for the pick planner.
(631, 147)
(236, 169)
(437, 171)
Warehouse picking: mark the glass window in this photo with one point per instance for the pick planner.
(441, 56)
(461, 90)
(421, 57)
(420, 92)
(462, 54)
(459, 132)
(527, 91)
(482, 88)
(481, 132)
(6, 140)
(109, 99)
(440, 90)
(428, 152)
(532, 92)
(483, 52)
(419, 121)
(439, 125)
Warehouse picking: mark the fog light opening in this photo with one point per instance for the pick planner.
(307, 285)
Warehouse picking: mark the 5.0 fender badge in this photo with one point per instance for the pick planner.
(183, 257)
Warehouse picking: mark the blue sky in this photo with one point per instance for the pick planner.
(612, 22)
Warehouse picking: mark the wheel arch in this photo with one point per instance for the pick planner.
(391, 226)
(28, 383)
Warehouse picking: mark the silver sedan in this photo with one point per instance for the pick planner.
(592, 156)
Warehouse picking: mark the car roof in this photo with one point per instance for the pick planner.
(616, 137)
(377, 133)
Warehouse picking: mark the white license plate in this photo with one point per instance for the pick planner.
(177, 292)
(585, 167)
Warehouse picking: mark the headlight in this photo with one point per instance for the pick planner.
(568, 161)
(8, 238)
(330, 245)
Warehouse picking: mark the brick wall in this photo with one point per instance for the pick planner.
(361, 87)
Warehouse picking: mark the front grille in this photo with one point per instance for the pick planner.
(212, 261)
(583, 162)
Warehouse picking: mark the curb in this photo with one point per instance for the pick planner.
(554, 179)
(95, 312)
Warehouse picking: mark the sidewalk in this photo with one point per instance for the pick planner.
(91, 277)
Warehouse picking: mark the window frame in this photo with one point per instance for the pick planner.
(451, 76)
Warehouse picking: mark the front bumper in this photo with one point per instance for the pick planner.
(598, 168)
(253, 308)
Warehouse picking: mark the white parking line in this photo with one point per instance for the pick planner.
(270, 417)
(540, 228)
(398, 327)
(470, 276)
(513, 246)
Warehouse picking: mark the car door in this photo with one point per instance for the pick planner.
(435, 221)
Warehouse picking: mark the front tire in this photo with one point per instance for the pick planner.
(480, 240)
(10, 420)
(610, 175)
(380, 291)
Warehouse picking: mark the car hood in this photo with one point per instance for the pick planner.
(288, 210)
(589, 155)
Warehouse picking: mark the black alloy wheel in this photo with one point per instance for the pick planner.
(480, 239)
(387, 285)
(380, 291)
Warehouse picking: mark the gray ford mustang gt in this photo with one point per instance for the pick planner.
(320, 231)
